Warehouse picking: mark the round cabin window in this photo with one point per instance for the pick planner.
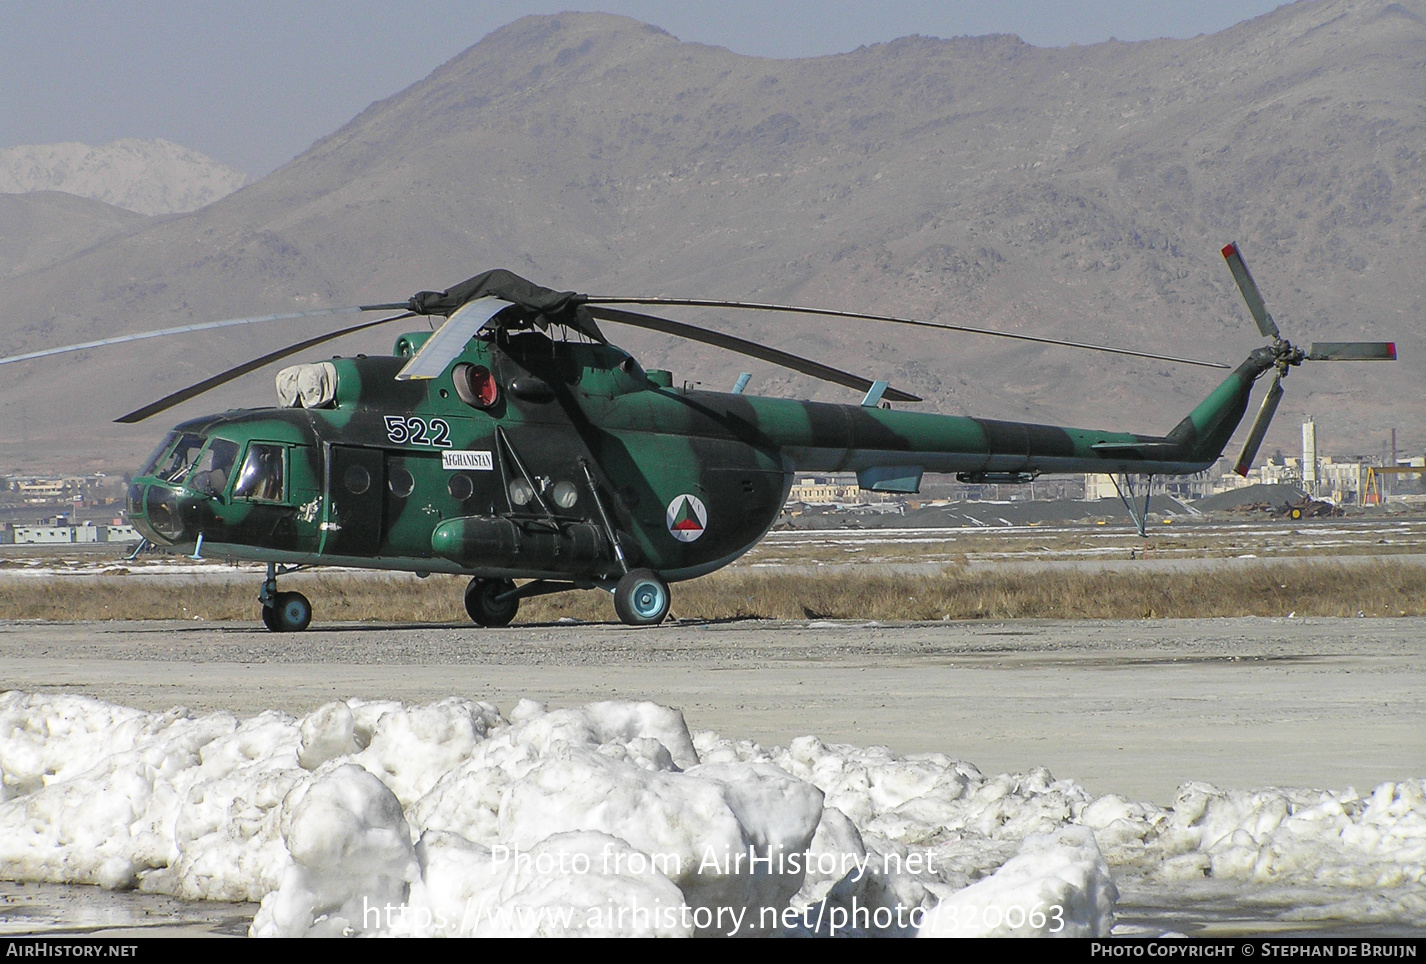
(460, 487)
(521, 492)
(357, 479)
(401, 482)
(566, 495)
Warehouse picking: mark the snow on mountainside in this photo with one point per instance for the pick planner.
(147, 176)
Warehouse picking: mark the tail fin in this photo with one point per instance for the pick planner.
(1204, 434)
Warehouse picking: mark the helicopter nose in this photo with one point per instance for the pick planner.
(161, 516)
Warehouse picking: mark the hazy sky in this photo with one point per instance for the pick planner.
(254, 83)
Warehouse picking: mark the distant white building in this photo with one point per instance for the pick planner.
(66, 535)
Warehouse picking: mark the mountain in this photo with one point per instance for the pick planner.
(44, 227)
(1078, 192)
(147, 176)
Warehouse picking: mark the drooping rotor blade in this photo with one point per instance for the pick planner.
(743, 347)
(205, 326)
(861, 316)
(1351, 351)
(1260, 428)
(1250, 291)
(450, 339)
(193, 391)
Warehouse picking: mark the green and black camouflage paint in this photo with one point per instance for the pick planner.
(568, 405)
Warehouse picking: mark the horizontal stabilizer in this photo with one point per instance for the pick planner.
(891, 478)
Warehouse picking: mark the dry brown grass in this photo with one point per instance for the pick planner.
(1381, 589)
(1267, 589)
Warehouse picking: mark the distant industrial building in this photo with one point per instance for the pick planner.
(814, 490)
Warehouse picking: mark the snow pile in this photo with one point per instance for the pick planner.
(1336, 839)
(611, 819)
(1058, 885)
(350, 849)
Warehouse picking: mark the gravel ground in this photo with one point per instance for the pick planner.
(1130, 707)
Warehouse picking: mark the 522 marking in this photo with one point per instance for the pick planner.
(403, 430)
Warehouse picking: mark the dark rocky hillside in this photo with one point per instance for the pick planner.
(1078, 192)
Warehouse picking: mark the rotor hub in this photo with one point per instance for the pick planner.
(1286, 355)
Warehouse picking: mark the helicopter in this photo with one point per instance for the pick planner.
(489, 448)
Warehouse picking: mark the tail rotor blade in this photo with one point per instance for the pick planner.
(1260, 428)
(1250, 291)
(1351, 351)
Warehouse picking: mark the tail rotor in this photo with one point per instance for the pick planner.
(1285, 356)
(1259, 429)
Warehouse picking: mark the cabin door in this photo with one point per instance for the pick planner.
(356, 495)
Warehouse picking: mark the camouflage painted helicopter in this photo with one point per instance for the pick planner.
(490, 449)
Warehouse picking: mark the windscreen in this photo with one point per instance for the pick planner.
(215, 466)
(172, 460)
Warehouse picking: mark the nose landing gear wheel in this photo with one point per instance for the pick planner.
(290, 613)
(641, 598)
(484, 608)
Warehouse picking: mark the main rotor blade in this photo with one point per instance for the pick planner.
(193, 391)
(1250, 291)
(1260, 428)
(861, 316)
(743, 347)
(184, 329)
(450, 339)
(1351, 351)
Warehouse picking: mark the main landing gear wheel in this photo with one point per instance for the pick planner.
(484, 608)
(290, 613)
(642, 598)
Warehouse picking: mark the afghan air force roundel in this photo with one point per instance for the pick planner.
(686, 517)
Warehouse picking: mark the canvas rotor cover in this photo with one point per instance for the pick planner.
(535, 306)
(307, 386)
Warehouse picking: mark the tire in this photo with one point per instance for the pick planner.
(292, 612)
(269, 619)
(642, 598)
(484, 609)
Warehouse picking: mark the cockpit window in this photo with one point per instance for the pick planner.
(262, 475)
(151, 463)
(214, 467)
(172, 460)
